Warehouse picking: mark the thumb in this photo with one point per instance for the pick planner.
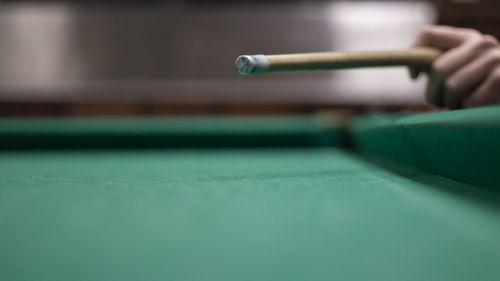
(434, 92)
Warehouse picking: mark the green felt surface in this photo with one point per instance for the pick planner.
(245, 214)
(461, 144)
(173, 132)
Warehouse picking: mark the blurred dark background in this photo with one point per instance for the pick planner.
(176, 57)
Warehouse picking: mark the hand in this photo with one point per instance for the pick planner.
(467, 74)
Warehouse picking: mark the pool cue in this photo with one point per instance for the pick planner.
(257, 64)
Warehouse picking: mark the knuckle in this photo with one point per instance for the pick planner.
(494, 56)
(485, 42)
(492, 39)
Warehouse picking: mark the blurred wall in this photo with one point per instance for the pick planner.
(56, 51)
(478, 14)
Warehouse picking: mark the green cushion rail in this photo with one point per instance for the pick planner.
(311, 213)
(463, 145)
(175, 132)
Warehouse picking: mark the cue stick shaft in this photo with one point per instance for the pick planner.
(256, 64)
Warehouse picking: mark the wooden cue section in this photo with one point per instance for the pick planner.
(340, 60)
(419, 57)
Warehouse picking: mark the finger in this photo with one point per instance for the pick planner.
(444, 37)
(492, 38)
(434, 89)
(457, 57)
(440, 36)
(468, 77)
(487, 93)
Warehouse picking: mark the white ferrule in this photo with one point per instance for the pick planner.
(256, 64)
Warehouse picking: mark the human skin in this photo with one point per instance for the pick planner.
(467, 74)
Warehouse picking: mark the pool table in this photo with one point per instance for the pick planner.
(388, 197)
